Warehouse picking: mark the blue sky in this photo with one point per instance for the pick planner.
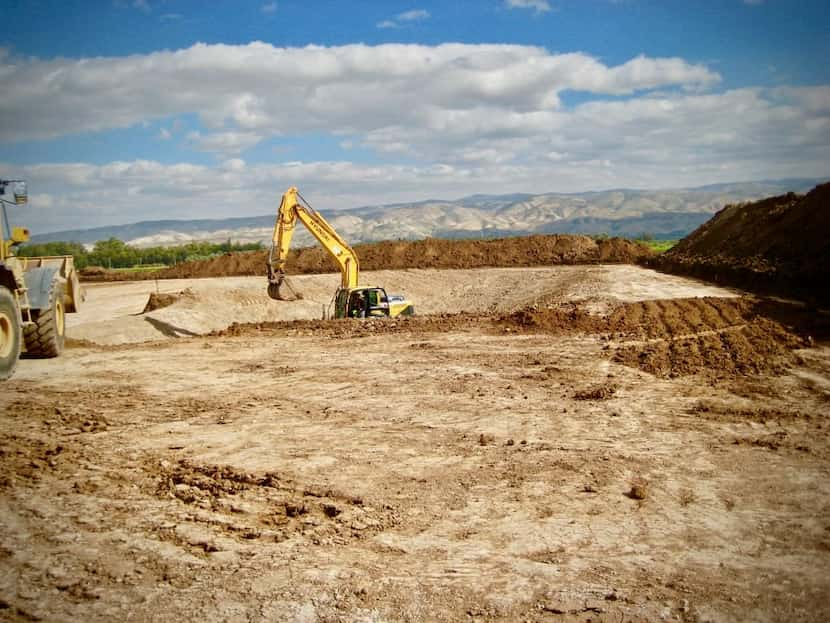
(125, 110)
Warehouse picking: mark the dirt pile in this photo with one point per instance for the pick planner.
(657, 319)
(717, 337)
(541, 250)
(347, 329)
(677, 337)
(777, 245)
(159, 300)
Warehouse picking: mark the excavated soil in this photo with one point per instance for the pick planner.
(160, 300)
(717, 337)
(572, 443)
(541, 250)
(778, 245)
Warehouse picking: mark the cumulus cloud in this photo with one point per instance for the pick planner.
(472, 118)
(658, 141)
(348, 89)
(411, 16)
(223, 142)
(538, 6)
(400, 19)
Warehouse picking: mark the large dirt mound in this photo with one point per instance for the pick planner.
(777, 245)
(541, 250)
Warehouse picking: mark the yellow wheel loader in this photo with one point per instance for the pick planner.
(350, 300)
(35, 293)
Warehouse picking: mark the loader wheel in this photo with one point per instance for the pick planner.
(45, 337)
(9, 334)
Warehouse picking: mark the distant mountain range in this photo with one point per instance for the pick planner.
(662, 214)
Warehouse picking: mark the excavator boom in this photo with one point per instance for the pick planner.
(293, 208)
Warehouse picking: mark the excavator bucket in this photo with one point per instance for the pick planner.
(280, 289)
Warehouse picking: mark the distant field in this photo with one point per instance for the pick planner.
(659, 246)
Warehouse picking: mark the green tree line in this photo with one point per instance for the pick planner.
(115, 253)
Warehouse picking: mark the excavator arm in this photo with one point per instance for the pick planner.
(293, 208)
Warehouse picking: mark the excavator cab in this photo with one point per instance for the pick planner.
(363, 302)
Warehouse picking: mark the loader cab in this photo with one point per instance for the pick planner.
(361, 303)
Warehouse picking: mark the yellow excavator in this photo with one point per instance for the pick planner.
(350, 300)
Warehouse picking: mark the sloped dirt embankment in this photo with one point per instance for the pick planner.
(778, 245)
(541, 250)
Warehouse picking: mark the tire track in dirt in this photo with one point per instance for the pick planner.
(228, 504)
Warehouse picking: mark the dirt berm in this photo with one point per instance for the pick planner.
(540, 250)
(778, 245)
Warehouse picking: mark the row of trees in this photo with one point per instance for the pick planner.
(115, 253)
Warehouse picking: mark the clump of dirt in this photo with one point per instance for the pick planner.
(570, 319)
(639, 490)
(159, 300)
(776, 245)
(598, 392)
(538, 250)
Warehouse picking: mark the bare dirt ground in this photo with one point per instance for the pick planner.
(574, 443)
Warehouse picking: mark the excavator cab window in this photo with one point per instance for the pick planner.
(378, 304)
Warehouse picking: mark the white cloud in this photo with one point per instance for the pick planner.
(474, 118)
(142, 5)
(269, 8)
(415, 15)
(350, 89)
(538, 6)
(661, 142)
(170, 17)
(224, 142)
(656, 141)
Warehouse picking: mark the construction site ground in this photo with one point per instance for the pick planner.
(572, 443)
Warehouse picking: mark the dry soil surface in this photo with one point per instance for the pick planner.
(565, 444)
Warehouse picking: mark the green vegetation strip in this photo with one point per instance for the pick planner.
(116, 254)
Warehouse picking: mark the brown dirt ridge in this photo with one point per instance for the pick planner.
(539, 250)
(712, 336)
(777, 245)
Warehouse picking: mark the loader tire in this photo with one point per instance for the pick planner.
(45, 338)
(9, 334)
